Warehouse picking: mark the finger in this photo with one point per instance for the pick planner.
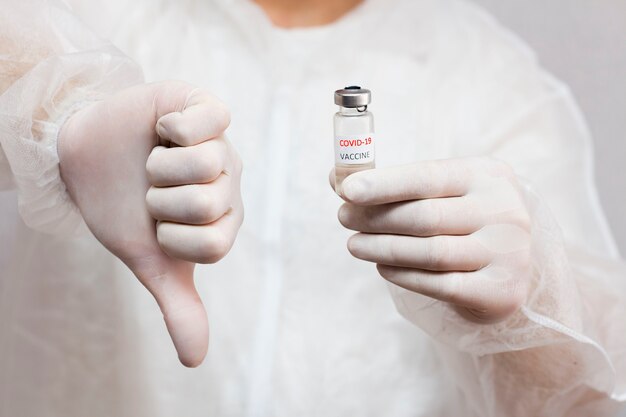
(171, 283)
(331, 179)
(438, 253)
(205, 244)
(202, 117)
(429, 179)
(191, 204)
(430, 217)
(195, 164)
(490, 294)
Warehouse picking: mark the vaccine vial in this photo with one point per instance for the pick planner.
(354, 133)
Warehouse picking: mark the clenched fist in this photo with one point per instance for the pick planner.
(157, 183)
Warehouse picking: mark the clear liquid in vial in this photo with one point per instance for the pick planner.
(354, 143)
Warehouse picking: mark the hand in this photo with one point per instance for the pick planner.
(456, 230)
(122, 181)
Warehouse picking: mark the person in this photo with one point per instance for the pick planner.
(481, 217)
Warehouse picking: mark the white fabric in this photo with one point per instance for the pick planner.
(298, 326)
(51, 66)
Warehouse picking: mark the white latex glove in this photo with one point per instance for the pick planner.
(455, 230)
(122, 181)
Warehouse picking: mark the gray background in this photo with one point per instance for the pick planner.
(584, 44)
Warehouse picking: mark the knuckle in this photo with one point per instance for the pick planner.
(431, 217)
(203, 207)
(438, 252)
(206, 166)
(429, 172)
(472, 207)
(455, 289)
(394, 248)
(510, 295)
(511, 299)
(222, 115)
(214, 247)
(451, 288)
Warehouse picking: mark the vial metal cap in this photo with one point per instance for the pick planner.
(353, 96)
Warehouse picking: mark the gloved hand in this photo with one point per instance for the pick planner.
(122, 178)
(455, 230)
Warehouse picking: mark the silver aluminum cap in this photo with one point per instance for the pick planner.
(353, 96)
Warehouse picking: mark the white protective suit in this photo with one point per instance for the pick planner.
(298, 326)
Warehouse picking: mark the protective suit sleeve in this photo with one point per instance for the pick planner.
(50, 66)
(564, 352)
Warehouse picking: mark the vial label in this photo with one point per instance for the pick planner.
(354, 150)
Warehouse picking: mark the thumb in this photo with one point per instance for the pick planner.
(170, 281)
(188, 116)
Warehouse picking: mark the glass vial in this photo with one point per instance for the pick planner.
(354, 133)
